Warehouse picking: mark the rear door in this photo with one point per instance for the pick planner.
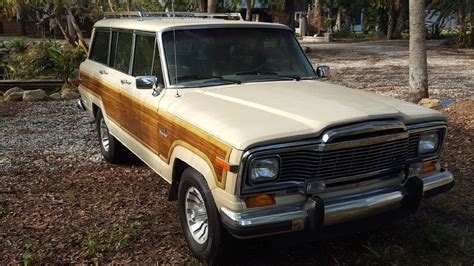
(95, 71)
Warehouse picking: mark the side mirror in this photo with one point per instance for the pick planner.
(146, 82)
(149, 82)
(322, 71)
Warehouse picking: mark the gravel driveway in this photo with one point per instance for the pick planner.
(61, 202)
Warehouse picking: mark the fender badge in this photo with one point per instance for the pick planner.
(164, 132)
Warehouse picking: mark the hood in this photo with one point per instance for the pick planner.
(252, 114)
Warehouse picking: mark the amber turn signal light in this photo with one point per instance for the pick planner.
(226, 166)
(429, 167)
(260, 201)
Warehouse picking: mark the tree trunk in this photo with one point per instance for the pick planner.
(401, 19)
(248, 12)
(211, 6)
(338, 26)
(80, 37)
(289, 12)
(111, 6)
(391, 13)
(472, 24)
(202, 5)
(70, 29)
(316, 19)
(462, 42)
(64, 32)
(418, 62)
(129, 5)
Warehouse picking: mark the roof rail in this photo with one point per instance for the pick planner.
(141, 15)
(122, 14)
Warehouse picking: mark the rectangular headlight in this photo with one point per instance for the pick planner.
(429, 142)
(264, 169)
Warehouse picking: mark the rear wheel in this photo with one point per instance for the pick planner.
(200, 218)
(112, 150)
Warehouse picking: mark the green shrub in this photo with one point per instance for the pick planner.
(33, 62)
(17, 44)
(43, 59)
(66, 59)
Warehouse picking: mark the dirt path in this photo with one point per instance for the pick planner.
(382, 67)
(60, 202)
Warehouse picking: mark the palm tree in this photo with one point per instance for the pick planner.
(418, 62)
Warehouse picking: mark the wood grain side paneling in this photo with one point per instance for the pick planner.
(143, 122)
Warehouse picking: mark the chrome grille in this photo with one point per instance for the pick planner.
(413, 145)
(346, 156)
(327, 165)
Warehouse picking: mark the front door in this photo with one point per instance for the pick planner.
(135, 54)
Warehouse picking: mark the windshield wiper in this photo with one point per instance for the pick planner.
(200, 77)
(258, 73)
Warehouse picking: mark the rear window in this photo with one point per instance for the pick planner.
(123, 52)
(100, 47)
(113, 47)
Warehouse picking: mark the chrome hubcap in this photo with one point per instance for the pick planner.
(104, 135)
(196, 215)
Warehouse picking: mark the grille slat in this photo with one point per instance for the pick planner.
(413, 145)
(312, 164)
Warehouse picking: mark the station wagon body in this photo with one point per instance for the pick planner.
(252, 141)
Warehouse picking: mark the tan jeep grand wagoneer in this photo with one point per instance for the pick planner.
(233, 115)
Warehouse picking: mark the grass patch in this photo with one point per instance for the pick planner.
(33, 253)
(104, 243)
(71, 195)
(3, 210)
(361, 36)
(419, 240)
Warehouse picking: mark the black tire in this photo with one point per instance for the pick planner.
(212, 250)
(115, 152)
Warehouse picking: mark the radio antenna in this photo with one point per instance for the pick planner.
(174, 48)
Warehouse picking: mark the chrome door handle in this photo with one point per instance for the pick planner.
(124, 81)
(103, 72)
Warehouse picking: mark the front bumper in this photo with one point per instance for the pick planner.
(315, 212)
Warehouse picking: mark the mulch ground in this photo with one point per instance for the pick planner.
(61, 202)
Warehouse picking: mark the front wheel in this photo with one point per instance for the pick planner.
(200, 218)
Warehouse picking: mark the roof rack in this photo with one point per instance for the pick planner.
(142, 15)
(122, 14)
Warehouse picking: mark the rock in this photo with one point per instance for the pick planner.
(69, 87)
(328, 37)
(55, 96)
(69, 91)
(430, 103)
(34, 95)
(2, 45)
(14, 97)
(74, 77)
(14, 89)
(306, 49)
(69, 95)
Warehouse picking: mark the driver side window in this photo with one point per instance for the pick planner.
(146, 60)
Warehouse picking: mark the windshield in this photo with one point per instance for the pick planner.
(208, 57)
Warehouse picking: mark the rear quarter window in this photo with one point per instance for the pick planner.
(100, 47)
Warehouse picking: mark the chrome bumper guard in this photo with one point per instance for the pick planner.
(297, 217)
(80, 105)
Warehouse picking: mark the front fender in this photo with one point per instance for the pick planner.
(195, 159)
